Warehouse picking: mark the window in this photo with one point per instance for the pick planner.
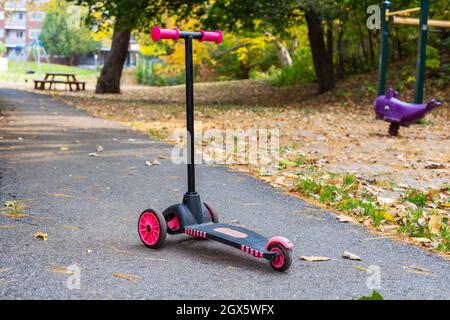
(34, 33)
(2, 15)
(20, 15)
(19, 34)
(37, 16)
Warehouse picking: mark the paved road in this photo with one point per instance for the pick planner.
(89, 208)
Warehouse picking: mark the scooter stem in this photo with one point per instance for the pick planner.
(190, 114)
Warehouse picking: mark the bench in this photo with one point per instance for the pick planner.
(40, 84)
(70, 79)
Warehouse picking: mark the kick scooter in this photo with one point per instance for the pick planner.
(194, 217)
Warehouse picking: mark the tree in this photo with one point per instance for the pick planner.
(2, 49)
(62, 41)
(277, 18)
(127, 16)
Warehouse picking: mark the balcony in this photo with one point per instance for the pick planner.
(13, 42)
(17, 5)
(17, 24)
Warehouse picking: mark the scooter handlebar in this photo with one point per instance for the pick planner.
(175, 34)
(158, 34)
(214, 36)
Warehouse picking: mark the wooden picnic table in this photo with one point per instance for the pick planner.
(52, 78)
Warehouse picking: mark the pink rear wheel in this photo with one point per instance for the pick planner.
(282, 262)
(152, 228)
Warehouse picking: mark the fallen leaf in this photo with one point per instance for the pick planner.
(162, 157)
(314, 258)
(386, 201)
(213, 257)
(57, 269)
(345, 219)
(232, 268)
(360, 268)
(152, 163)
(375, 296)
(99, 149)
(421, 240)
(157, 259)
(129, 277)
(418, 270)
(7, 227)
(351, 256)
(435, 224)
(5, 269)
(435, 165)
(61, 195)
(122, 251)
(93, 154)
(63, 148)
(72, 228)
(41, 235)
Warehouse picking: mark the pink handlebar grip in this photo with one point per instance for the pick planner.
(215, 36)
(158, 33)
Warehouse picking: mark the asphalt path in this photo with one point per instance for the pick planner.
(89, 208)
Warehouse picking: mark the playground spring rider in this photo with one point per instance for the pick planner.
(196, 218)
(387, 106)
(399, 113)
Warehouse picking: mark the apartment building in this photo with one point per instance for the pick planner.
(20, 24)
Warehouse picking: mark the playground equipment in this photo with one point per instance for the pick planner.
(194, 217)
(34, 50)
(399, 113)
(403, 108)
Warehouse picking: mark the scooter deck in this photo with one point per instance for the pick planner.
(240, 238)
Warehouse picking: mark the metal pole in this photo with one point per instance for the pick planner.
(384, 48)
(422, 49)
(190, 113)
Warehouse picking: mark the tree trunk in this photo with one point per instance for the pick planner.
(283, 54)
(330, 46)
(109, 80)
(321, 57)
(340, 52)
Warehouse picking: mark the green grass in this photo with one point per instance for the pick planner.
(19, 75)
(416, 197)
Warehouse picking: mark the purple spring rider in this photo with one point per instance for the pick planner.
(399, 113)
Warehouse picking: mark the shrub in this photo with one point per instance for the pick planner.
(301, 70)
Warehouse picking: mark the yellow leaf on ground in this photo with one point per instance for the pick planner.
(7, 227)
(41, 235)
(232, 268)
(61, 195)
(435, 224)
(129, 277)
(314, 258)
(388, 216)
(360, 268)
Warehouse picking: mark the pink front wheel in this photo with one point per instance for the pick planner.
(283, 260)
(152, 228)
